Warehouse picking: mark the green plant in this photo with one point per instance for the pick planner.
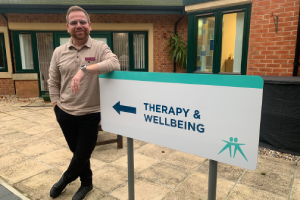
(177, 49)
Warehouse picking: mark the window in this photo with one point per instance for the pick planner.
(33, 50)
(218, 40)
(3, 63)
(132, 50)
(45, 51)
(26, 51)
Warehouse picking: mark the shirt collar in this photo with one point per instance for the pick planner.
(87, 44)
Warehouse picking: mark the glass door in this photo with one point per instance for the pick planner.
(218, 40)
(232, 42)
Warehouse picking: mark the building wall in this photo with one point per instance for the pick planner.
(273, 53)
(7, 86)
(6, 82)
(26, 89)
(161, 24)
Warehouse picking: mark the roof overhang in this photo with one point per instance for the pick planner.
(92, 9)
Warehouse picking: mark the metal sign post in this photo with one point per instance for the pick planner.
(130, 159)
(212, 180)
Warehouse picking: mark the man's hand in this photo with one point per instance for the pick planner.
(75, 84)
(54, 105)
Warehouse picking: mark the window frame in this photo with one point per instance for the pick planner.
(5, 69)
(131, 49)
(218, 14)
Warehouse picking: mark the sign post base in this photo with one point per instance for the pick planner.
(212, 180)
(130, 159)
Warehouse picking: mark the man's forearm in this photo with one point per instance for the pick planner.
(93, 69)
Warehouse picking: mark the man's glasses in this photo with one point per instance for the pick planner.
(74, 23)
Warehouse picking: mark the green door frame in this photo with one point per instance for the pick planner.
(218, 13)
(5, 69)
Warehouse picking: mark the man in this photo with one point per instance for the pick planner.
(74, 92)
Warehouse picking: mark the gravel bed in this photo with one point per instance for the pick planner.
(14, 99)
(277, 154)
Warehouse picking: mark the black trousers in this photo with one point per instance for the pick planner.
(81, 134)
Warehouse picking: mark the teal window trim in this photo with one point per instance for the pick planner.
(5, 69)
(218, 13)
(17, 52)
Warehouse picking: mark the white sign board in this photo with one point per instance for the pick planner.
(212, 116)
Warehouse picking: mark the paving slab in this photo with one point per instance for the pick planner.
(51, 134)
(12, 121)
(22, 171)
(38, 186)
(40, 149)
(184, 159)
(271, 175)
(249, 193)
(295, 193)
(141, 162)
(179, 195)
(225, 171)
(56, 158)
(166, 173)
(271, 182)
(109, 178)
(25, 143)
(108, 198)
(197, 185)
(61, 141)
(155, 151)
(5, 130)
(11, 159)
(109, 153)
(4, 149)
(95, 165)
(13, 137)
(37, 129)
(24, 126)
(144, 189)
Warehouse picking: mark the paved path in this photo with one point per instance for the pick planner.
(34, 154)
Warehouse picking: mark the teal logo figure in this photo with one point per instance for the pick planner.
(236, 147)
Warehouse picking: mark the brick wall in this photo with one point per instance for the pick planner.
(161, 24)
(273, 53)
(2, 21)
(26, 89)
(7, 86)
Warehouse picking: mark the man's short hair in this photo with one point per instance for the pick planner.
(77, 8)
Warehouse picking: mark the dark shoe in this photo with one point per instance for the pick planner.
(82, 192)
(58, 187)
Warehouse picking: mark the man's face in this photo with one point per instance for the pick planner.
(78, 31)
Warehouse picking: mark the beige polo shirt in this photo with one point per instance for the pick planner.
(66, 62)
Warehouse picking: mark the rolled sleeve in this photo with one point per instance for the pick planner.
(109, 62)
(54, 81)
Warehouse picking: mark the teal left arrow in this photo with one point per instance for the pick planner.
(118, 107)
